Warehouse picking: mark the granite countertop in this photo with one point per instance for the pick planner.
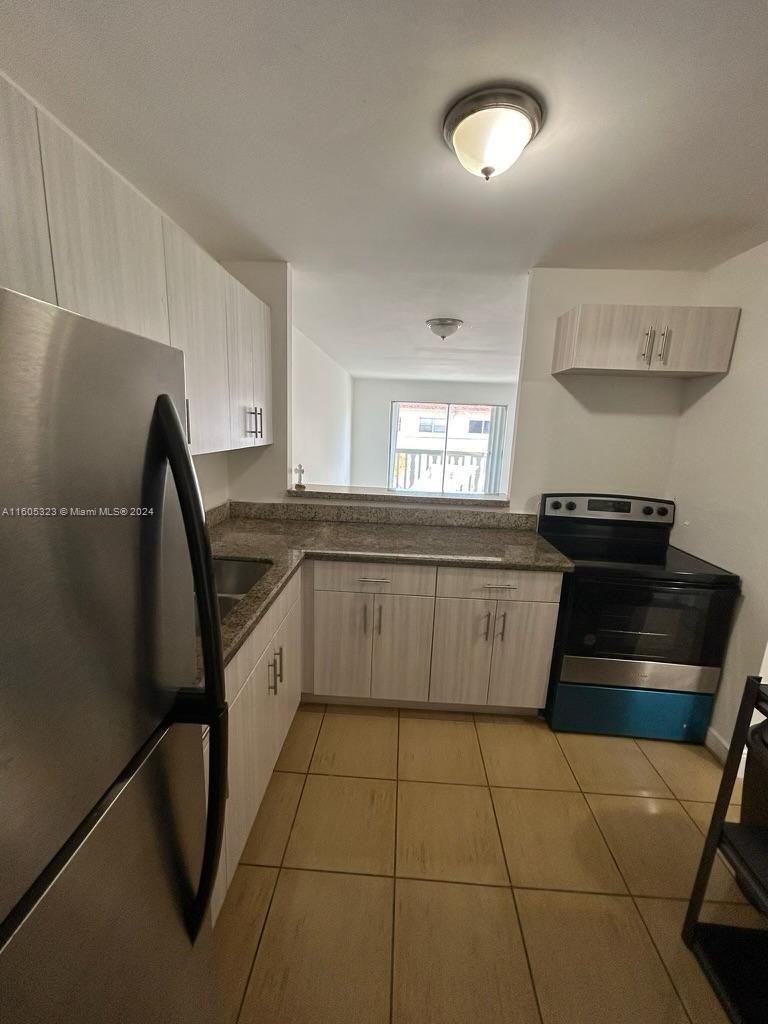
(287, 543)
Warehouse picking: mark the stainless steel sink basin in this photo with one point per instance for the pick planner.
(234, 577)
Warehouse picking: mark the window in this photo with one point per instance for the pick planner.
(442, 448)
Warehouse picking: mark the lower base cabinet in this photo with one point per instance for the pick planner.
(260, 716)
(461, 653)
(522, 653)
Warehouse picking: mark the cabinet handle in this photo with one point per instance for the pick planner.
(378, 627)
(272, 684)
(647, 352)
(279, 671)
(365, 617)
(500, 586)
(255, 431)
(370, 579)
(487, 633)
(259, 413)
(503, 632)
(664, 342)
(189, 429)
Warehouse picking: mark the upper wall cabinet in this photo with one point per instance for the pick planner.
(671, 341)
(25, 251)
(197, 311)
(107, 239)
(250, 385)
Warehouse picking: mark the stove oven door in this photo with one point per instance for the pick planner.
(646, 634)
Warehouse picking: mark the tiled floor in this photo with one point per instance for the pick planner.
(425, 868)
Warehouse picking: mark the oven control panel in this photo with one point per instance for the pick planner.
(608, 506)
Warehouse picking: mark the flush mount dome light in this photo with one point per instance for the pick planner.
(489, 129)
(444, 326)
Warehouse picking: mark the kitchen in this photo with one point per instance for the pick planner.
(421, 781)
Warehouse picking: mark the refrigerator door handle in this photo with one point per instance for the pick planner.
(207, 706)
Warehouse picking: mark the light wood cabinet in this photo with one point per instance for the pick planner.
(682, 341)
(376, 578)
(198, 326)
(522, 653)
(343, 643)
(498, 584)
(26, 264)
(107, 239)
(402, 647)
(461, 650)
(249, 353)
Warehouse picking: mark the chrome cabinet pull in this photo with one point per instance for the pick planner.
(255, 431)
(500, 586)
(259, 414)
(272, 684)
(664, 343)
(503, 632)
(279, 671)
(378, 627)
(487, 633)
(369, 579)
(647, 353)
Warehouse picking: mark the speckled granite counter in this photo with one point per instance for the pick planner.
(286, 543)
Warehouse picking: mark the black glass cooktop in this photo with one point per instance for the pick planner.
(642, 561)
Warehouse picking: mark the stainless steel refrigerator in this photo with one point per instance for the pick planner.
(109, 839)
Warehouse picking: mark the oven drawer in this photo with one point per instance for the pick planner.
(498, 584)
(639, 675)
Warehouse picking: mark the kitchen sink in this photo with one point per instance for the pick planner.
(234, 577)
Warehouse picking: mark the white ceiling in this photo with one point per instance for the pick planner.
(310, 131)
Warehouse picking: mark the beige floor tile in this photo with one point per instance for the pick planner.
(439, 747)
(690, 771)
(657, 847)
(665, 921)
(459, 956)
(523, 752)
(702, 813)
(611, 764)
(325, 954)
(266, 843)
(593, 962)
(448, 833)
(551, 841)
(300, 741)
(357, 741)
(237, 933)
(344, 824)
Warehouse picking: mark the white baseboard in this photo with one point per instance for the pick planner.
(719, 748)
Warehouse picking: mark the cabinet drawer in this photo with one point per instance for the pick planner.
(376, 578)
(498, 584)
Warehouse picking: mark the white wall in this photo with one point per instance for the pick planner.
(592, 433)
(213, 477)
(371, 405)
(321, 414)
(260, 474)
(719, 471)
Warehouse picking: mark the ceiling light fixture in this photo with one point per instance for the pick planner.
(444, 326)
(490, 128)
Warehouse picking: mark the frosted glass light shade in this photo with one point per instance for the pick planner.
(488, 142)
(490, 128)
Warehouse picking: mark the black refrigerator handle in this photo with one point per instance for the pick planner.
(207, 706)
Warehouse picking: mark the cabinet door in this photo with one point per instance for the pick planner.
(241, 330)
(198, 322)
(288, 655)
(402, 647)
(615, 337)
(694, 339)
(343, 643)
(461, 650)
(25, 249)
(242, 804)
(522, 654)
(262, 368)
(107, 239)
(221, 883)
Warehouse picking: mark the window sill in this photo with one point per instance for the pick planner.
(383, 494)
